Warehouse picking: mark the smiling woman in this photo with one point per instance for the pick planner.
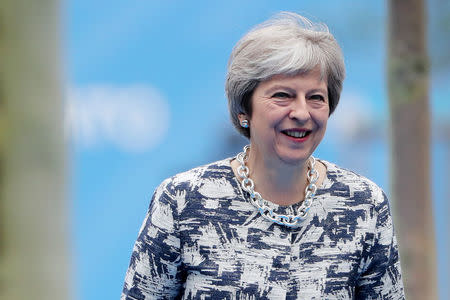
(274, 222)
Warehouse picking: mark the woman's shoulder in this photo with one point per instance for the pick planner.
(353, 183)
(218, 172)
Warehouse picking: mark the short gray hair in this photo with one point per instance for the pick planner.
(286, 44)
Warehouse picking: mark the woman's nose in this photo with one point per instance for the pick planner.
(299, 110)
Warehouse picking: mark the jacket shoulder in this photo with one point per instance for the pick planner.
(195, 178)
(357, 185)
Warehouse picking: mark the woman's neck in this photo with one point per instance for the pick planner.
(280, 183)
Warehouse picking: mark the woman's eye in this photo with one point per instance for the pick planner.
(281, 95)
(318, 97)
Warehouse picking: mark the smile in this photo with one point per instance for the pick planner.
(296, 133)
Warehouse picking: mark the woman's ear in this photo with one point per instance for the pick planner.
(242, 117)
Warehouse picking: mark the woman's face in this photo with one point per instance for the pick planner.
(289, 117)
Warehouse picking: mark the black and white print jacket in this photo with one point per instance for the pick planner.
(203, 239)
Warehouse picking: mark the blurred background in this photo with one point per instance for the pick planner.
(144, 99)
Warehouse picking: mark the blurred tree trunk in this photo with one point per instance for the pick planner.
(33, 212)
(408, 80)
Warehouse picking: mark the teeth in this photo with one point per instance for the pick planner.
(297, 134)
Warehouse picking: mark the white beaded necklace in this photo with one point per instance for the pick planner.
(260, 203)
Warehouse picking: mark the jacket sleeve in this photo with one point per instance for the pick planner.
(382, 278)
(155, 267)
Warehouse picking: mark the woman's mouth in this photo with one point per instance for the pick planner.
(295, 133)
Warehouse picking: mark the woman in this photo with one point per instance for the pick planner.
(274, 222)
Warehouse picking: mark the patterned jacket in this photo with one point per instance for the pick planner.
(203, 239)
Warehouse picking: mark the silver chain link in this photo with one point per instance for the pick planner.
(257, 200)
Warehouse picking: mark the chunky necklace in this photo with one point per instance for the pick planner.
(261, 204)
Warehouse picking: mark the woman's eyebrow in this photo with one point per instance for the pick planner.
(279, 87)
(318, 91)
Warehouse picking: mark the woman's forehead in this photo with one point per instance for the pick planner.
(312, 76)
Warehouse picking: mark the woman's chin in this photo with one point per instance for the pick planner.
(294, 158)
(294, 153)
